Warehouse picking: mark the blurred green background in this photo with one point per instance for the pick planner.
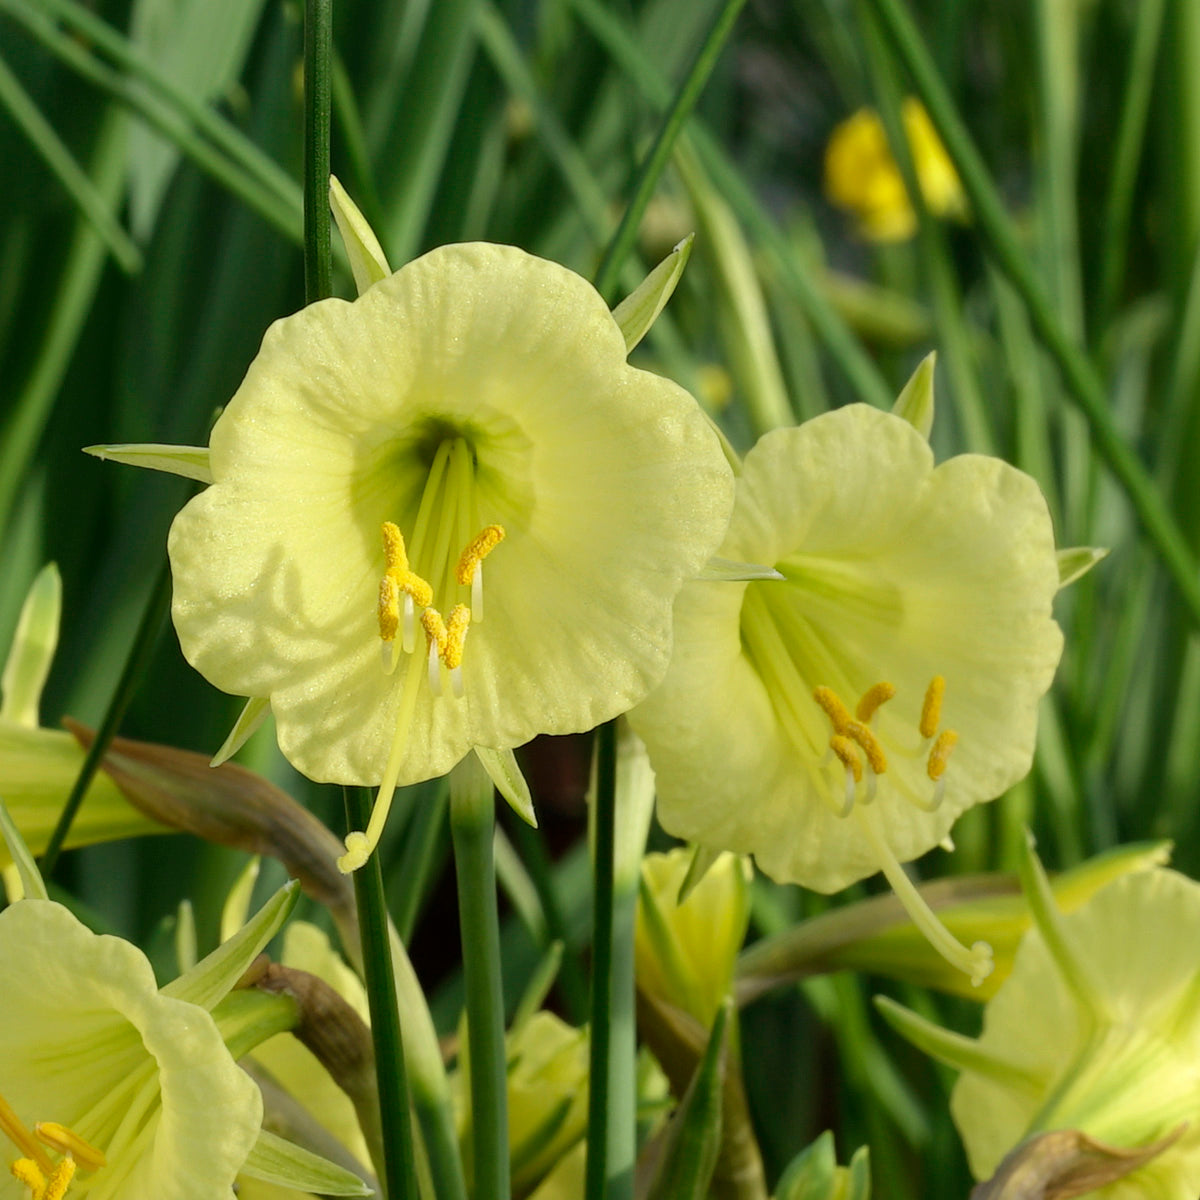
(149, 232)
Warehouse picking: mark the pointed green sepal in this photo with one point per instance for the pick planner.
(32, 650)
(276, 1161)
(31, 877)
(814, 1174)
(236, 908)
(367, 261)
(504, 772)
(538, 987)
(1047, 916)
(728, 571)
(186, 955)
(189, 461)
(214, 975)
(694, 1138)
(1074, 562)
(703, 858)
(953, 1049)
(915, 402)
(639, 310)
(249, 719)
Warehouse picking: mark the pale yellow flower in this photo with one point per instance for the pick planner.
(862, 177)
(474, 405)
(810, 722)
(1097, 1030)
(143, 1078)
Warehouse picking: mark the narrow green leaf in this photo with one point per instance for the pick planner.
(694, 1139)
(75, 181)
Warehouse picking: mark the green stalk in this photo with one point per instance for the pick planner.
(1114, 240)
(472, 824)
(318, 53)
(398, 1169)
(597, 1182)
(1082, 383)
(140, 653)
(685, 100)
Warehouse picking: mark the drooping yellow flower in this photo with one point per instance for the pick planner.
(470, 416)
(836, 723)
(1097, 1031)
(862, 177)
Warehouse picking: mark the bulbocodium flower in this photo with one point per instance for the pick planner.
(836, 722)
(445, 515)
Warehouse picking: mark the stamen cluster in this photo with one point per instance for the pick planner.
(45, 1178)
(854, 739)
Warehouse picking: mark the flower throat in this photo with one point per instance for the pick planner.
(436, 578)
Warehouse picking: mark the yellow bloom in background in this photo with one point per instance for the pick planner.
(470, 417)
(1097, 1031)
(862, 177)
(547, 1097)
(684, 953)
(836, 723)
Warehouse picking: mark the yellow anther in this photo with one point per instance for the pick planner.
(872, 698)
(482, 544)
(846, 750)
(60, 1180)
(67, 1141)
(395, 556)
(435, 629)
(939, 756)
(869, 744)
(835, 710)
(389, 608)
(26, 1171)
(14, 1129)
(413, 585)
(931, 710)
(456, 636)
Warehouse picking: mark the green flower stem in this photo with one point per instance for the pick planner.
(597, 1182)
(398, 1170)
(1131, 135)
(1081, 380)
(318, 54)
(685, 100)
(140, 652)
(472, 826)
